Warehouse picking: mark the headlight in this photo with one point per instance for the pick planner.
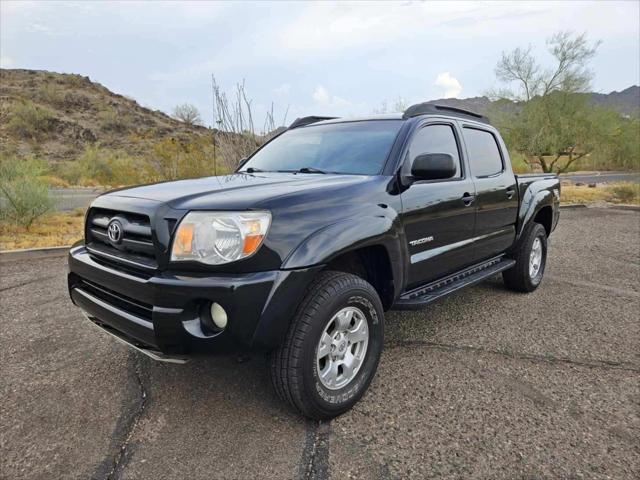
(215, 238)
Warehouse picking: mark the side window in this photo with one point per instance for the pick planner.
(484, 154)
(435, 139)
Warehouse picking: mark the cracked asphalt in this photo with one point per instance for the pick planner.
(484, 384)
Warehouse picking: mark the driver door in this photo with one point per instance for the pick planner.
(438, 215)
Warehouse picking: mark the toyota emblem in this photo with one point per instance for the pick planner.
(114, 231)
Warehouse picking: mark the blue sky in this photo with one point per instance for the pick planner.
(316, 58)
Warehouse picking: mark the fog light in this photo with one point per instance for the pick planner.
(219, 316)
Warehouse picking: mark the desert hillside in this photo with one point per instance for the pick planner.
(56, 116)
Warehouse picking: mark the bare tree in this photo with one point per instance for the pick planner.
(188, 114)
(234, 130)
(399, 105)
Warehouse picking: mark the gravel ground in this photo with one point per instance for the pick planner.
(484, 384)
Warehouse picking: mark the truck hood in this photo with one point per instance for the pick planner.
(236, 191)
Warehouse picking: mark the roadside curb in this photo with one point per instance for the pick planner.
(573, 205)
(611, 206)
(633, 208)
(33, 253)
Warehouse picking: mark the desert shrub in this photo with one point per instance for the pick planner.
(188, 114)
(626, 192)
(68, 172)
(74, 100)
(174, 158)
(55, 181)
(29, 120)
(50, 93)
(518, 163)
(113, 121)
(24, 195)
(75, 80)
(102, 166)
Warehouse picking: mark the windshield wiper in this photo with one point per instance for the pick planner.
(310, 170)
(251, 170)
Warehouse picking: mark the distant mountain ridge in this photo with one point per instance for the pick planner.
(625, 102)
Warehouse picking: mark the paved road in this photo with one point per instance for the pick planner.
(602, 177)
(72, 198)
(484, 384)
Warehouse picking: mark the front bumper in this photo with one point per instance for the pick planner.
(161, 312)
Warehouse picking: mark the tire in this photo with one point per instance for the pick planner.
(520, 278)
(331, 300)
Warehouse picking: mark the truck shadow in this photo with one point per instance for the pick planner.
(215, 413)
(222, 379)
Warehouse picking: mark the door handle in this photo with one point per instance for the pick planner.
(510, 193)
(468, 199)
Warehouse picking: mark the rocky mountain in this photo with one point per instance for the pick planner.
(627, 102)
(55, 116)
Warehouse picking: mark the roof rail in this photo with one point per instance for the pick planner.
(426, 108)
(301, 122)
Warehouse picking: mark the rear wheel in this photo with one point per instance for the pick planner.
(531, 259)
(333, 346)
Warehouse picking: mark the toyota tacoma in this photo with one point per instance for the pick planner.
(303, 248)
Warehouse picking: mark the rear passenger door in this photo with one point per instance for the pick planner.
(496, 195)
(438, 215)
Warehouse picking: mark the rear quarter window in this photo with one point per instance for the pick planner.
(484, 154)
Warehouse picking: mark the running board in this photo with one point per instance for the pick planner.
(420, 297)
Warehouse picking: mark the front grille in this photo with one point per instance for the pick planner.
(134, 247)
(134, 307)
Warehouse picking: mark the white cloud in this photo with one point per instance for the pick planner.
(330, 26)
(449, 83)
(322, 97)
(283, 90)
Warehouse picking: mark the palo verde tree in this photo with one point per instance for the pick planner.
(555, 126)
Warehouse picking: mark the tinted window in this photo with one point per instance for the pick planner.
(435, 139)
(350, 147)
(484, 155)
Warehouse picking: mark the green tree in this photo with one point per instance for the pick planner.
(555, 126)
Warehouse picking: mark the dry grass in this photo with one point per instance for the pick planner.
(56, 229)
(624, 192)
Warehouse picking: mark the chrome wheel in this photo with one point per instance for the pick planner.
(342, 348)
(535, 258)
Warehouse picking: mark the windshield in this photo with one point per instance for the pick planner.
(350, 147)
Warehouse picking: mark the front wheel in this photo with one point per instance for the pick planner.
(332, 348)
(531, 259)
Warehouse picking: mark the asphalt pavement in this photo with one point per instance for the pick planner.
(602, 177)
(66, 199)
(485, 384)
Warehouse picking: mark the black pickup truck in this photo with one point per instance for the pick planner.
(301, 251)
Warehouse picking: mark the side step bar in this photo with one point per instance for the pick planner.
(420, 297)
(149, 352)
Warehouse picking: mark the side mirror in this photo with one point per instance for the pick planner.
(433, 166)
